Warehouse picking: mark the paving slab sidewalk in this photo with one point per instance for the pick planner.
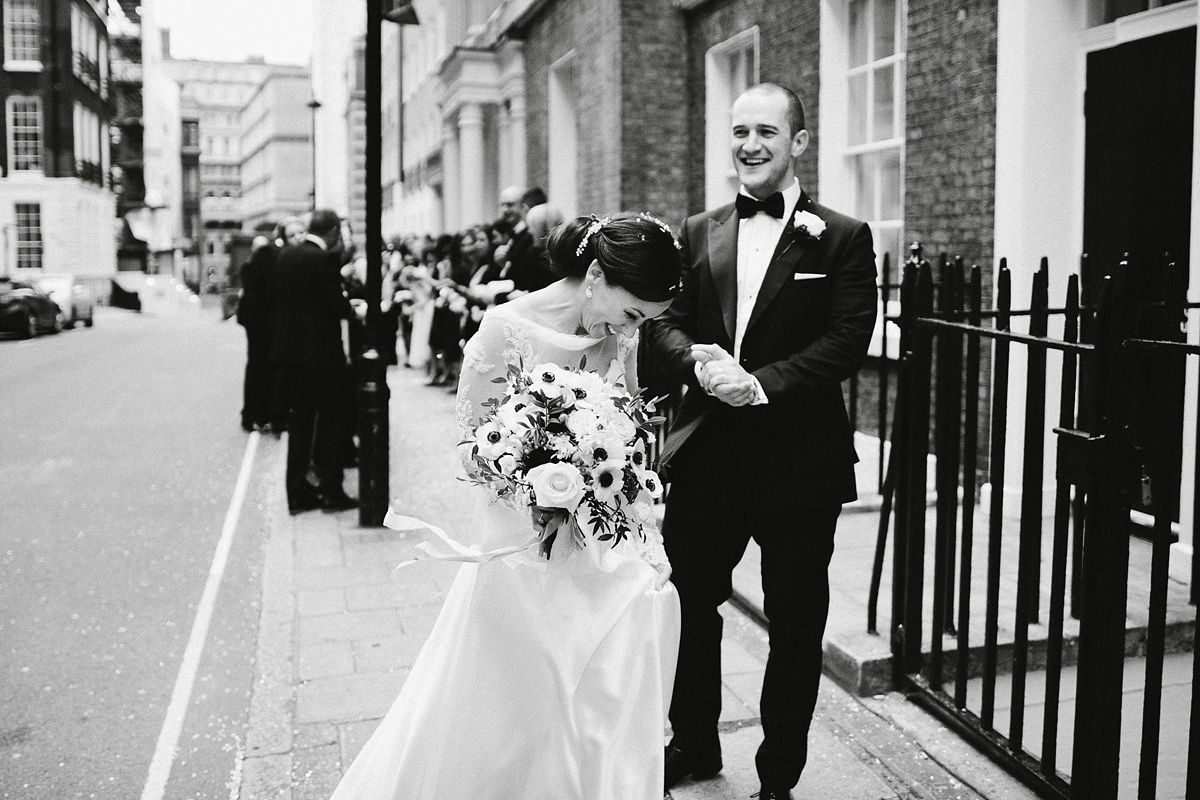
(340, 631)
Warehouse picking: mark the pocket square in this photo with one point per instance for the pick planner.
(808, 276)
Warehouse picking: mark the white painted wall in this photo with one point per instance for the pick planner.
(78, 224)
(1039, 185)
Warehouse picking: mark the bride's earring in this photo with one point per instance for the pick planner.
(588, 291)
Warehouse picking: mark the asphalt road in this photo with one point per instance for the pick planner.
(119, 453)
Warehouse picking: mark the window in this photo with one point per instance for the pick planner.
(24, 116)
(1105, 11)
(29, 235)
(730, 68)
(564, 121)
(22, 35)
(875, 120)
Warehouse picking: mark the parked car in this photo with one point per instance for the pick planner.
(26, 309)
(74, 301)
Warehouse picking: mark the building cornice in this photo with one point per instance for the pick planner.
(524, 12)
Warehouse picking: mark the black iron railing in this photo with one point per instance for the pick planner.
(1115, 450)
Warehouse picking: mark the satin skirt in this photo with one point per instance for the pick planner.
(540, 681)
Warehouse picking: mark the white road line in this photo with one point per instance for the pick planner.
(168, 738)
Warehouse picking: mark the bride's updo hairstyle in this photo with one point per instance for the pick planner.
(636, 252)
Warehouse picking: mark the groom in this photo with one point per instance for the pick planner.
(778, 306)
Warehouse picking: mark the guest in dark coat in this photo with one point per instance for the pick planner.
(254, 313)
(307, 343)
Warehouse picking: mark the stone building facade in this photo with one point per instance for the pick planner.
(57, 206)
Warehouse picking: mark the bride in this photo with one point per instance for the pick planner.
(545, 679)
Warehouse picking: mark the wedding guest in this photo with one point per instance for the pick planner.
(778, 307)
(306, 342)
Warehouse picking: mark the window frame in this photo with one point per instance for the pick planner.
(720, 175)
(37, 242)
(12, 129)
(11, 33)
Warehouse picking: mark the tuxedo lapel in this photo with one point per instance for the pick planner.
(722, 261)
(788, 254)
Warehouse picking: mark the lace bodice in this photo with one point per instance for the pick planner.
(507, 336)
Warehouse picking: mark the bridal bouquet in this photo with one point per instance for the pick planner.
(566, 439)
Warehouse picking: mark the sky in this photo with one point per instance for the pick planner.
(231, 30)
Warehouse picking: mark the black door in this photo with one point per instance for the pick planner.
(1138, 156)
(1138, 183)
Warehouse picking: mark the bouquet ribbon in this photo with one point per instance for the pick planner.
(446, 548)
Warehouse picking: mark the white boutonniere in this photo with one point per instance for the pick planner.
(808, 224)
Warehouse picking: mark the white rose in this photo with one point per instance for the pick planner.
(619, 424)
(507, 464)
(643, 512)
(808, 222)
(583, 422)
(557, 485)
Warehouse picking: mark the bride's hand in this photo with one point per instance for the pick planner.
(545, 520)
(664, 575)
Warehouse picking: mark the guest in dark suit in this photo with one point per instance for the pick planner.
(307, 343)
(255, 314)
(777, 310)
(264, 404)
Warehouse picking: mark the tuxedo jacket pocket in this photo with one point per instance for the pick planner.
(808, 276)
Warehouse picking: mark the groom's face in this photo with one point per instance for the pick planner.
(764, 145)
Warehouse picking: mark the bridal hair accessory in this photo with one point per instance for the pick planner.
(597, 224)
(662, 225)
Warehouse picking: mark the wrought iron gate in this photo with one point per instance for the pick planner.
(1120, 370)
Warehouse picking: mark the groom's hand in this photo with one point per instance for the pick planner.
(722, 377)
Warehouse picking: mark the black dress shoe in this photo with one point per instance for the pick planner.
(339, 501)
(306, 503)
(679, 764)
(773, 794)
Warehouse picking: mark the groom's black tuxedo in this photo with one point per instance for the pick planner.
(808, 332)
(777, 472)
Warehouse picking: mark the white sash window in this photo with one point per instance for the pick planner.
(22, 35)
(24, 117)
(730, 68)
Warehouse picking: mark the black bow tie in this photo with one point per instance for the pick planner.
(747, 206)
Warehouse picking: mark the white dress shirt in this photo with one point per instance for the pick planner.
(757, 239)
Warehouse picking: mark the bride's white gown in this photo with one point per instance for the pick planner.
(541, 680)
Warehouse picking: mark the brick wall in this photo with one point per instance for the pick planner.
(789, 53)
(950, 153)
(592, 30)
(654, 108)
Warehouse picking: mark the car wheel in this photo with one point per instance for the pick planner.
(87, 323)
(31, 326)
(59, 322)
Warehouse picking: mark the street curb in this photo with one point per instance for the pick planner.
(266, 766)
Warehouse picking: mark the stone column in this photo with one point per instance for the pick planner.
(516, 137)
(504, 136)
(451, 204)
(470, 136)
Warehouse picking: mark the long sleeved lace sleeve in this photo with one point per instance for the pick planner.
(485, 358)
(651, 547)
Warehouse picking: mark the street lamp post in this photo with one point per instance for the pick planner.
(373, 432)
(314, 105)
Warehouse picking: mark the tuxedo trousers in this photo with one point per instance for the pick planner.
(315, 426)
(706, 530)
